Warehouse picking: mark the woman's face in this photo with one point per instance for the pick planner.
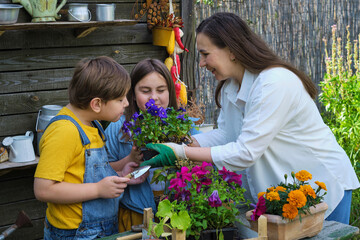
(216, 60)
(154, 86)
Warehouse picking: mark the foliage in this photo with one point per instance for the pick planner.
(201, 199)
(341, 98)
(158, 125)
(290, 199)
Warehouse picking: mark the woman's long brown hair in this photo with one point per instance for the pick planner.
(229, 30)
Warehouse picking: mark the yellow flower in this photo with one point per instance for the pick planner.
(303, 175)
(321, 185)
(297, 198)
(308, 190)
(271, 189)
(289, 211)
(261, 194)
(280, 189)
(272, 196)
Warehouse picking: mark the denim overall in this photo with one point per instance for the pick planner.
(99, 216)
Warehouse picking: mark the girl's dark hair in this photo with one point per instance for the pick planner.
(142, 69)
(100, 77)
(229, 30)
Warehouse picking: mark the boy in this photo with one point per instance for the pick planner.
(73, 175)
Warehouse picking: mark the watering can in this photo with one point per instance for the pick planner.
(42, 10)
(21, 147)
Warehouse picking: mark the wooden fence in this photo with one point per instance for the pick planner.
(293, 29)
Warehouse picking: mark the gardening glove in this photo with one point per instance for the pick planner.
(168, 153)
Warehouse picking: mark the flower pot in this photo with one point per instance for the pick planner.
(229, 233)
(148, 153)
(161, 35)
(285, 229)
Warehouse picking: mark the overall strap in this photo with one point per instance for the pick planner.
(100, 129)
(84, 139)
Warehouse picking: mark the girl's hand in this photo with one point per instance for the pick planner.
(136, 155)
(112, 186)
(130, 167)
(194, 143)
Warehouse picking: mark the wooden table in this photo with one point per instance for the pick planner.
(331, 230)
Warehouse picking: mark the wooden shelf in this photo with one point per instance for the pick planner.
(82, 28)
(7, 166)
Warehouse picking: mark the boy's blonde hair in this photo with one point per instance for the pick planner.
(100, 77)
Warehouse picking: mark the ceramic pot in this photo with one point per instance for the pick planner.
(161, 35)
(285, 229)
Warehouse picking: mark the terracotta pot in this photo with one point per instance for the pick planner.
(284, 229)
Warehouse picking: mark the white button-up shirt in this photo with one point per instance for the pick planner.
(272, 127)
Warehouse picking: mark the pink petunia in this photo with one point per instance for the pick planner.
(259, 210)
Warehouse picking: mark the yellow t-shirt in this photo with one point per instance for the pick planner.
(62, 159)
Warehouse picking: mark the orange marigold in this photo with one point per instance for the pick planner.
(303, 175)
(271, 189)
(297, 198)
(308, 191)
(261, 194)
(321, 185)
(280, 189)
(289, 211)
(272, 196)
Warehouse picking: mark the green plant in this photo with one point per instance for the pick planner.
(201, 199)
(341, 98)
(290, 199)
(158, 125)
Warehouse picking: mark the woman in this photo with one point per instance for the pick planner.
(150, 79)
(269, 124)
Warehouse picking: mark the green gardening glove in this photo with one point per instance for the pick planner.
(168, 153)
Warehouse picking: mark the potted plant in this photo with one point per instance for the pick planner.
(293, 210)
(158, 125)
(202, 201)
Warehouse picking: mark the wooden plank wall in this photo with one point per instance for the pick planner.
(293, 29)
(35, 69)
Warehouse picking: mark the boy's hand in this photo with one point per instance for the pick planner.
(112, 186)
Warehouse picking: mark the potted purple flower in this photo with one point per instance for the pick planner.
(202, 201)
(158, 125)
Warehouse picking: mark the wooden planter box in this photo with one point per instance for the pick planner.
(284, 229)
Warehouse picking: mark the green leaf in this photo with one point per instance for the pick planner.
(181, 221)
(164, 209)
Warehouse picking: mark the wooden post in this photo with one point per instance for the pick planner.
(148, 216)
(177, 234)
(262, 228)
(188, 58)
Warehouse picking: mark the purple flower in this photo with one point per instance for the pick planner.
(181, 109)
(259, 210)
(181, 117)
(214, 199)
(137, 131)
(162, 113)
(150, 103)
(183, 195)
(125, 129)
(184, 174)
(230, 177)
(153, 110)
(135, 116)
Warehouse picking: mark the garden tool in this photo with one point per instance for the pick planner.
(139, 172)
(22, 221)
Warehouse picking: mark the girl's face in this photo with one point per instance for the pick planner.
(216, 60)
(154, 86)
